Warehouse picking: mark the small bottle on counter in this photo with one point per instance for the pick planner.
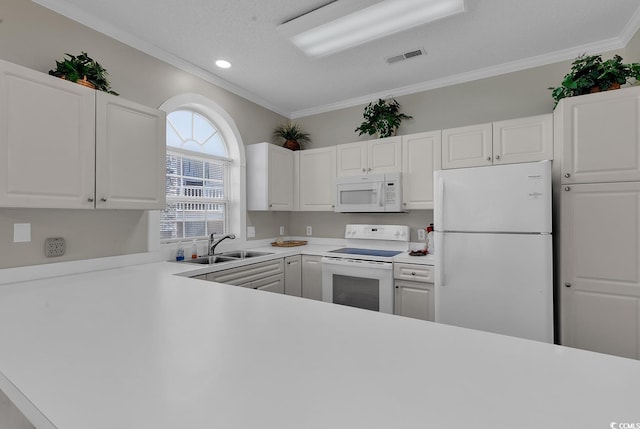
(194, 250)
(180, 254)
(430, 238)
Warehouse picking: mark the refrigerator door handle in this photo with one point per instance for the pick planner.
(440, 205)
(440, 263)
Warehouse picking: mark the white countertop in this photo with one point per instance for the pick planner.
(138, 347)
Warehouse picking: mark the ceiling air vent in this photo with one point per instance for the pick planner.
(405, 56)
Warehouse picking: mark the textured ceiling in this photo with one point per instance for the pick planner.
(492, 37)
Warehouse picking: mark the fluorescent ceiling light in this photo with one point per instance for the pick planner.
(338, 26)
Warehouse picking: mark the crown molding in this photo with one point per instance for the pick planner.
(118, 34)
(510, 67)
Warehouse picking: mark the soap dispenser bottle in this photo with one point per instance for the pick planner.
(430, 238)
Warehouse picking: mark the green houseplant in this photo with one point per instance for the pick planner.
(589, 73)
(292, 134)
(382, 117)
(84, 70)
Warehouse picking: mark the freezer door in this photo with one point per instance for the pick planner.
(501, 283)
(504, 198)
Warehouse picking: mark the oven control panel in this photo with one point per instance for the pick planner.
(377, 232)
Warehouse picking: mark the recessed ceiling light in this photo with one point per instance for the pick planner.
(223, 64)
(343, 24)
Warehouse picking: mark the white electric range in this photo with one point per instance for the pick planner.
(361, 274)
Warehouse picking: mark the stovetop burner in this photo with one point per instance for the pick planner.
(367, 252)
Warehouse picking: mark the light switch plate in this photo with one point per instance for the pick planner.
(309, 230)
(421, 235)
(21, 232)
(282, 230)
(251, 231)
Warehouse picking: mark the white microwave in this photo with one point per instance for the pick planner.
(371, 193)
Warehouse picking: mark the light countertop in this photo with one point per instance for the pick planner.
(138, 347)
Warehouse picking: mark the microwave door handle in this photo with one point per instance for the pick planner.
(380, 200)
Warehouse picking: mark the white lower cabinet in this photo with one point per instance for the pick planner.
(599, 286)
(414, 291)
(312, 277)
(293, 275)
(267, 276)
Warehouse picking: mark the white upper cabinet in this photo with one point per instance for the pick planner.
(61, 143)
(523, 139)
(600, 136)
(469, 146)
(47, 140)
(130, 154)
(369, 157)
(316, 182)
(270, 177)
(420, 158)
(506, 142)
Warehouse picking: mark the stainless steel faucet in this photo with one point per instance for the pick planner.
(213, 243)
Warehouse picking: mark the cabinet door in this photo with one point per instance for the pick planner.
(270, 284)
(384, 155)
(600, 136)
(293, 275)
(280, 178)
(414, 299)
(317, 172)
(523, 140)
(420, 158)
(600, 268)
(247, 273)
(467, 146)
(351, 159)
(47, 140)
(130, 154)
(413, 272)
(312, 277)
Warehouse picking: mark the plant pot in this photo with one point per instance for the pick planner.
(85, 82)
(291, 145)
(597, 88)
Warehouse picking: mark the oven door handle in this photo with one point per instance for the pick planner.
(357, 263)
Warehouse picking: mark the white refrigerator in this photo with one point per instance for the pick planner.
(493, 249)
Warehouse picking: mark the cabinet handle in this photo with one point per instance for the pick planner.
(332, 206)
(90, 199)
(364, 170)
(567, 175)
(369, 169)
(397, 287)
(567, 188)
(270, 205)
(567, 284)
(497, 156)
(413, 273)
(488, 158)
(404, 204)
(104, 200)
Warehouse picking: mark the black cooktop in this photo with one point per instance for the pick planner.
(367, 252)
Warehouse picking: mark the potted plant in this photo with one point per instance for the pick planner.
(84, 70)
(383, 118)
(589, 73)
(292, 134)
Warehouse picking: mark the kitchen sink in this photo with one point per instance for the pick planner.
(226, 257)
(242, 254)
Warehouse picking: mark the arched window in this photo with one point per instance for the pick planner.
(204, 164)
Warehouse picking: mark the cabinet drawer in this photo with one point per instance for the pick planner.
(413, 272)
(240, 275)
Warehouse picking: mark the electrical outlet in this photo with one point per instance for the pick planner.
(251, 231)
(309, 230)
(55, 246)
(282, 230)
(421, 234)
